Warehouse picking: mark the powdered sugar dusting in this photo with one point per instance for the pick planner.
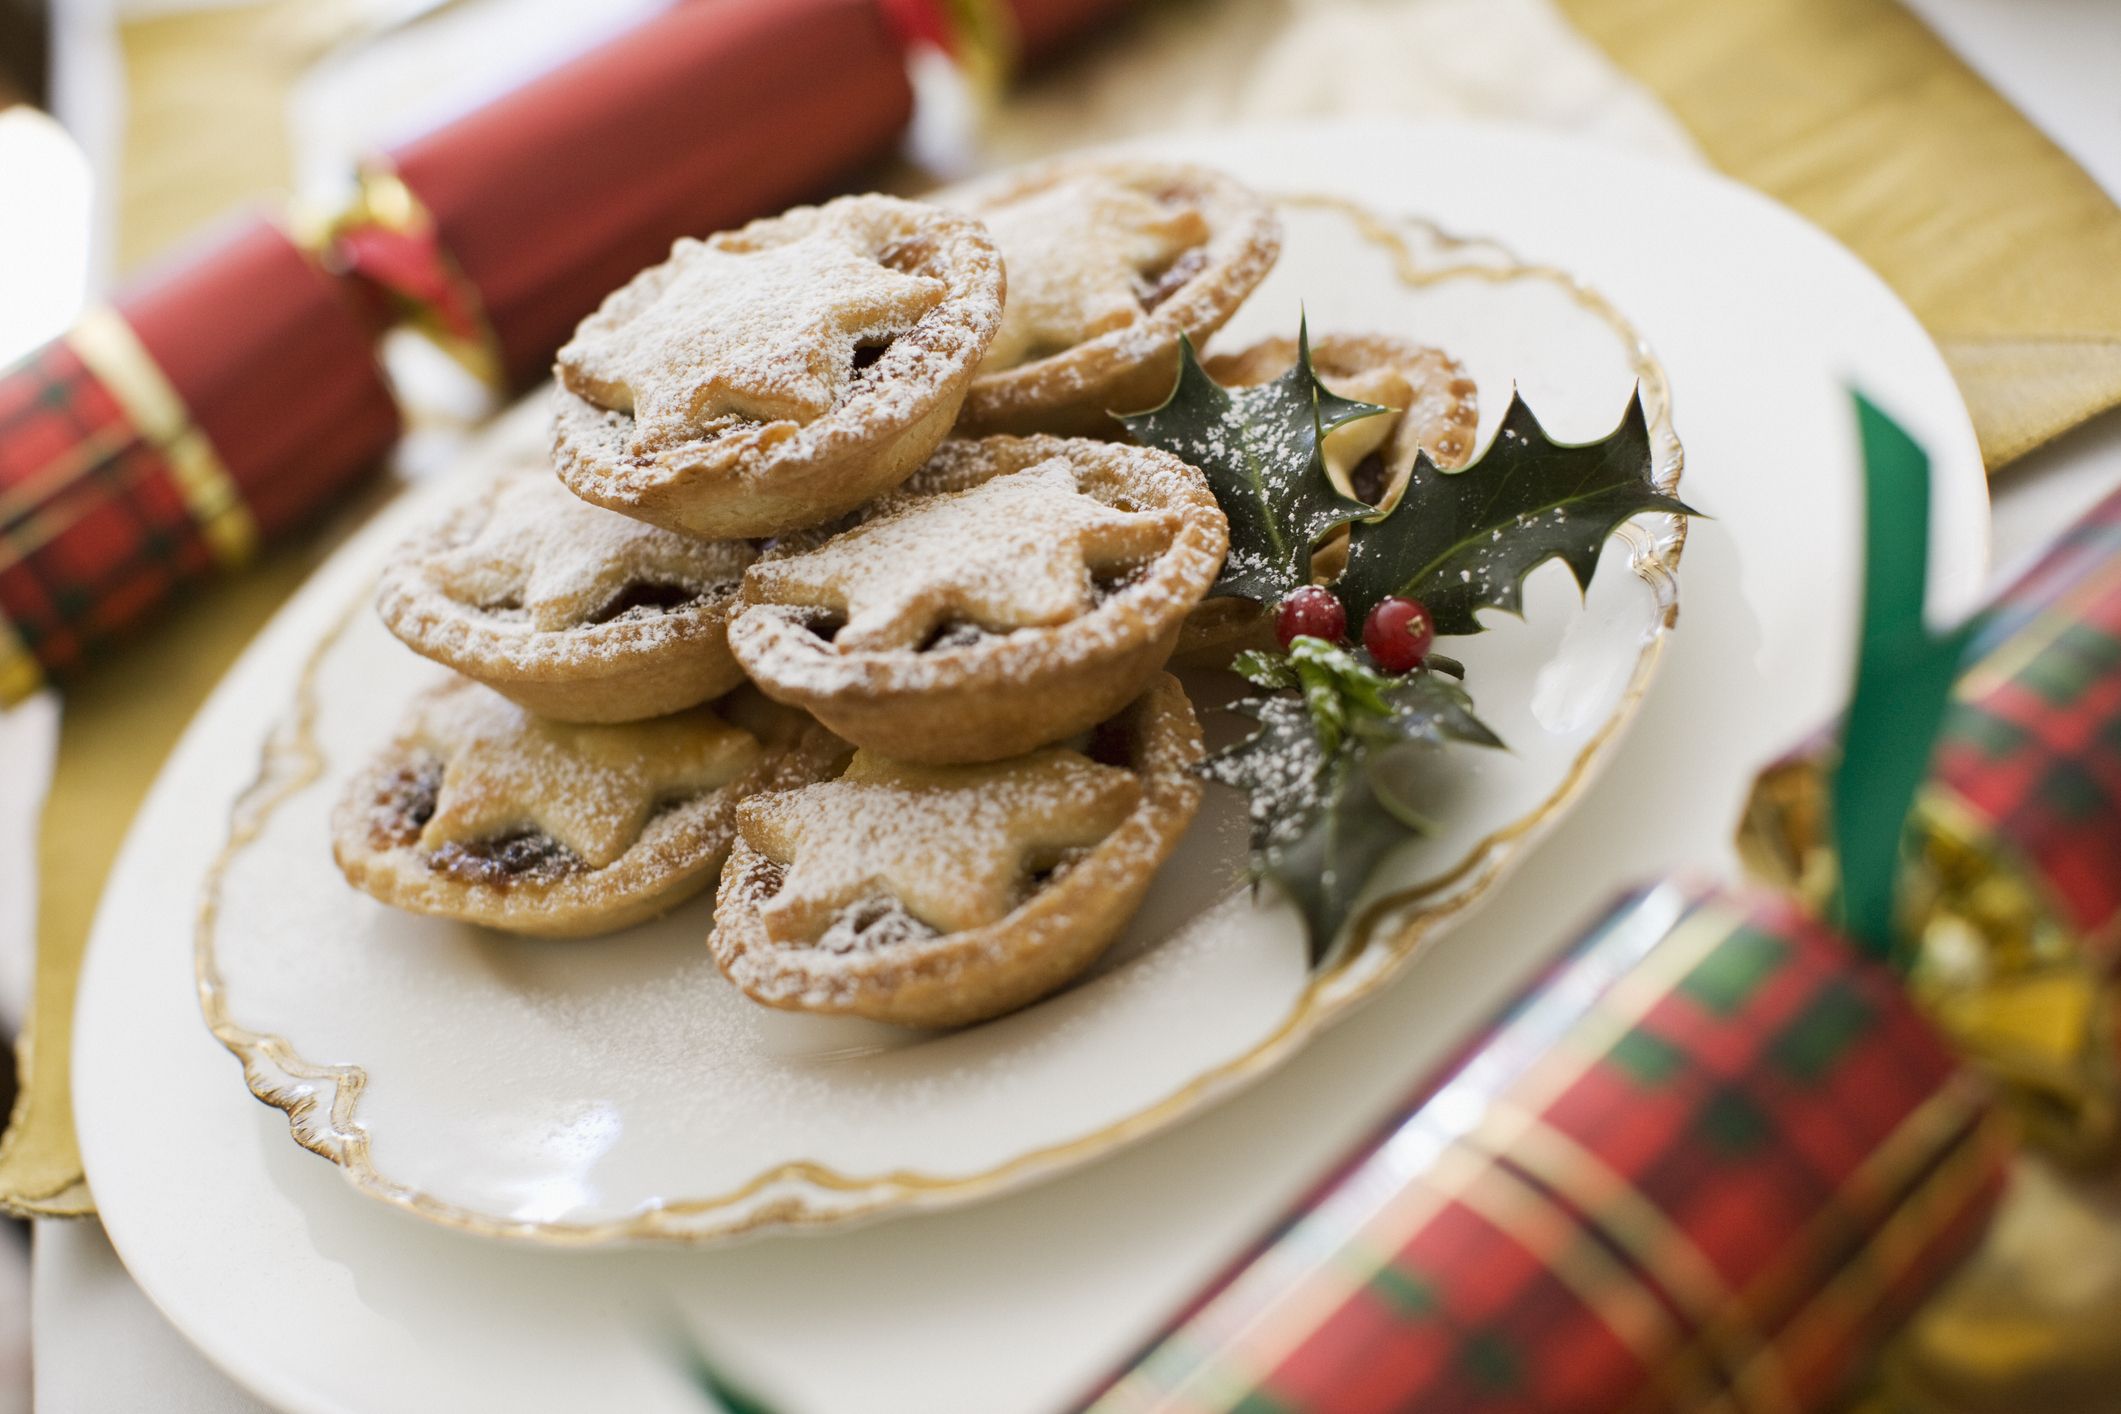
(1017, 550)
(800, 338)
(592, 789)
(1078, 253)
(1081, 548)
(953, 844)
(765, 333)
(558, 562)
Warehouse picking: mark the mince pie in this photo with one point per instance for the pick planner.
(482, 812)
(1434, 410)
(574, 611)
(775, 376)
(1110, 262)
(1014, 592)
(943, 895)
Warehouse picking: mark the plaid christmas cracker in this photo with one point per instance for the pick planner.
(109, 496)
(2029, 764)
(1708, 1162)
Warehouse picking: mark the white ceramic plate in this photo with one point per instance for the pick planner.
(319, 1300)
(621, 1090)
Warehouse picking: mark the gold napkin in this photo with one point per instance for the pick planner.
(1854, 113)
(119, 723)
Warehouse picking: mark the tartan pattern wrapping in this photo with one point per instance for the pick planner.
(94, 526)
(1709, 1161)
(208, 412)
(2030, 757)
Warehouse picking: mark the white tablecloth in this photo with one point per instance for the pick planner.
(101, 1346)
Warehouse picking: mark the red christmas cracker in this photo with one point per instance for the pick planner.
(219, 404)
(2030, 758)
(710, 113)
(166, 436)
(1713, 1154)
(2015, 880)
(239, 392)
(500, 231)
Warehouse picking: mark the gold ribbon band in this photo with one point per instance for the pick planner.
(984, 43)
(20, 674)
(449, 312)
(106, 344)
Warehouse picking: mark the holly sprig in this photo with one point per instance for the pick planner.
(1324, 773)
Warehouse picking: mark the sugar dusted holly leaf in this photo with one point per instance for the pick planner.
(1465, 540)
(1265, 669)
(1260, 450)
(1277, 767)
(1323, 794)
(1324, 869)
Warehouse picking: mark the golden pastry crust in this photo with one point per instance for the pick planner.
(1014, 592)
(1219, 629)
(1435, 409)
(570, 610)
(1096, 827)
(776, 376)
(481, 812)
(1110, 262)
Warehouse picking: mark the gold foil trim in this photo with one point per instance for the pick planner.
(20, 673)
(382, 201)
(106, 344)
(1994, 966)
(2028, 1323)
(985, 44)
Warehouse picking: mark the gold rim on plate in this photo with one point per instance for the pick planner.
(322, 1102)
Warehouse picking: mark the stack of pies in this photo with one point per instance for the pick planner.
(825, 582)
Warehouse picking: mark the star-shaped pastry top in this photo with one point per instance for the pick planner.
(1075, 254)
(766, 334)
(562, 559)
(591, 788)
(953, 844)
(1015, 551)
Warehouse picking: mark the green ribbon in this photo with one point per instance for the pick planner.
(1904, 676)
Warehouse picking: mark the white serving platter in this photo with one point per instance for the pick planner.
(319, 1299)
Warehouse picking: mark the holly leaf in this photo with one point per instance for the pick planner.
(1260, 450)
(1465, 540)
(1324, 869)
(1279, 768)
(1324, 800)
(1429, 709)
(1265, 669)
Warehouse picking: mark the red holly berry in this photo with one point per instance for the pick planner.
(1310, 612)
(1398, 634)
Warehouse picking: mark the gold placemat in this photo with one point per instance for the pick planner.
(1854, 113)
(119, 723)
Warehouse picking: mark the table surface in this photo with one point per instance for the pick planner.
(2053, 58)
